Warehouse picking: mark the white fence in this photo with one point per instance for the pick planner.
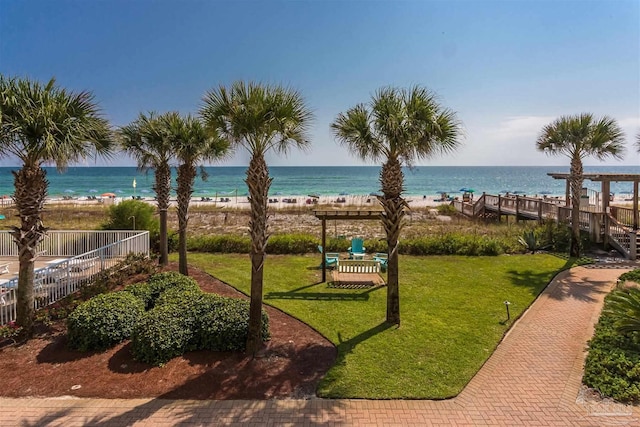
(81, 262)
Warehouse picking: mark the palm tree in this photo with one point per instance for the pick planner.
(147, 141)
(258, 118)
(398, 126)
(43, 124)
(578, 137)
(191, 145)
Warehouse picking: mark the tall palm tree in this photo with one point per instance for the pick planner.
(191, 144)
(578, 137)
(146, 140)
(258, 118)
(398, 126)
(43, 124)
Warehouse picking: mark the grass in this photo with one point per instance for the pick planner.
(452, 310)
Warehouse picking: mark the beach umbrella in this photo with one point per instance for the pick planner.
(468, 190)
(518, 192)
(93, 190)
(544, 192)
(343, 194)
(314, 196)
(108, 195)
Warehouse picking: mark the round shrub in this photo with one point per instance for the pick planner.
(142, 291)
(186, 320)
(150, 291)
(224, 324)
(162, 334)
(103, 321)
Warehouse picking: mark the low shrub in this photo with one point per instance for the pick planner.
(630, 276)
(162, 334)
(225, 325)
(221, 244)
(103, 321)
(453, 244)
(148, 292)
(447, 209)
(612, 365)
(186, 320)
(291, 244)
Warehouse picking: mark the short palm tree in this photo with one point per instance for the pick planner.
(578, 137)
(259, 118)
(146, 140)
(43, 124)
(398, 126)
(192, 145)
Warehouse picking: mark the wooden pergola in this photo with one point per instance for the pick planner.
(605, 179)
(342, 215)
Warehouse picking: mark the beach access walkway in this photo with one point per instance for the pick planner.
(533, 378)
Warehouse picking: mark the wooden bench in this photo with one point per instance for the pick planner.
(4, 268)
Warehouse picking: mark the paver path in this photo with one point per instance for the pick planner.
(533, 378)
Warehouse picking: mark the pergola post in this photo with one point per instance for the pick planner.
(606, 195)
(324, 249)
(635, 204)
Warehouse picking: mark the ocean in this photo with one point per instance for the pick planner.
(324, 180)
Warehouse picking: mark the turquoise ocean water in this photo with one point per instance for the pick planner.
(327, 180)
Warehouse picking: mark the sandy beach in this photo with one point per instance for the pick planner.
(282, 202)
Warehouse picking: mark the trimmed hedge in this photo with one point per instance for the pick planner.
(435, 244)
(103, 321)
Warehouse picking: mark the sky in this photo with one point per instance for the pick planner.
(507, 68)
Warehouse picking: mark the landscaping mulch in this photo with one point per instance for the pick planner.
(289, 366)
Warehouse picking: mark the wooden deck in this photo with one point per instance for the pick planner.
(355, 280)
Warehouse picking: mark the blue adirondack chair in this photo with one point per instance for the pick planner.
(330, 258)
(356, 247)
(383, 259)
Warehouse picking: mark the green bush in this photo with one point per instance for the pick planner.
(630, 276)
(613, 364)
(446, 209)
(192, 320)
(453, 244)
(225, 324)
(120, 216)
(162, 334)
(103, 321)
(148, 292)
(291, 244)
(222, 244)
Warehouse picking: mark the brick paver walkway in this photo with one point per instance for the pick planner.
(533, 378)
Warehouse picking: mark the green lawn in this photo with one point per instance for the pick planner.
(452, 310)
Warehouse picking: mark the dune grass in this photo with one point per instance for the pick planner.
(452, 310)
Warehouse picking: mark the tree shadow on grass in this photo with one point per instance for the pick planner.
(566, 286)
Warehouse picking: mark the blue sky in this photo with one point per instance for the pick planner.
(506, 67)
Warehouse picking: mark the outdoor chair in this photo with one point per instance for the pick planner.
(383, 259)
(356, 249)
(330, 258)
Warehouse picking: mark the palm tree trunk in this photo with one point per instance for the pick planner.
(576, 191)
(186, 177)
(258, 182)
(392, 183)
(163, 188)
(30, 193)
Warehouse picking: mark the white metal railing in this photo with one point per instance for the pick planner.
(67, 242)
(65, 276)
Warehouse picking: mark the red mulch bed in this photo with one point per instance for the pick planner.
(290, 365)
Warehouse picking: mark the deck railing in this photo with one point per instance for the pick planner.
(621, 237)
(62, 277)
